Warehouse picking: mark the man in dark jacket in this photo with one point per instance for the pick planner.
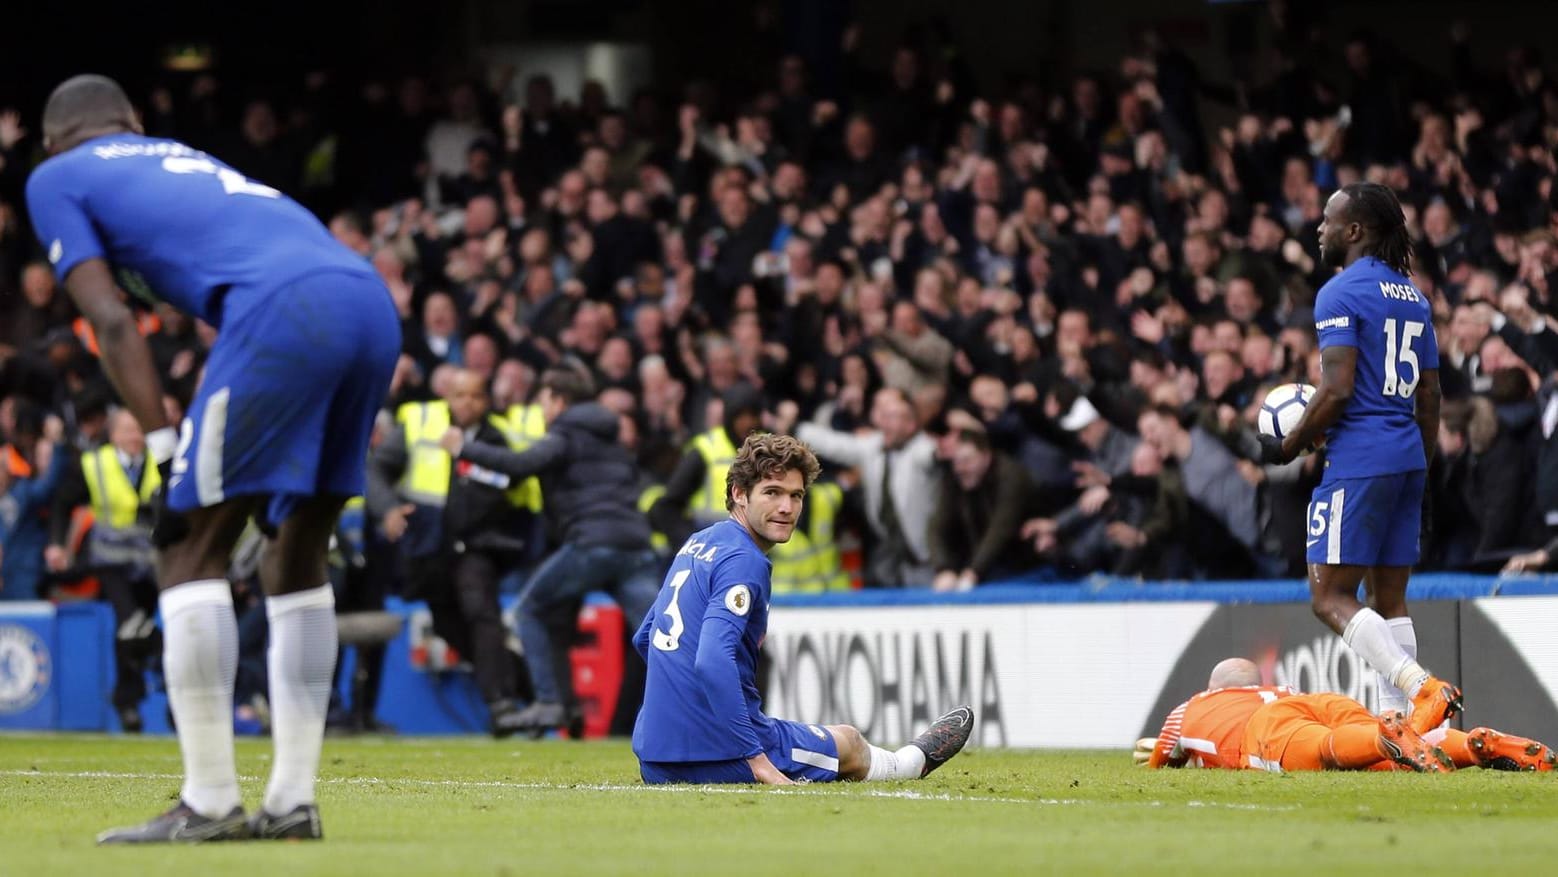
(974, 532)
(1503, 433)
(480, 533)
(591, 509)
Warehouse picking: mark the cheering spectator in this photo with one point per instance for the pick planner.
(861, 225)
(974, 529)
(897, 462)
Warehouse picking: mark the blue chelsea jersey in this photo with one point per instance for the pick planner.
(1372, 308)
(700, 640)
(175, 224)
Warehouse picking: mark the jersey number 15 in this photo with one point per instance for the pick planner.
(1399, 352)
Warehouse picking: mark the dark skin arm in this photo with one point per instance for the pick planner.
(1338, 370)
(126, 357)
(1427, 412)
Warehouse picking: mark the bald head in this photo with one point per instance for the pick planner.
(83, 107)
(1234, 672)
(124, 432)
(467, 397)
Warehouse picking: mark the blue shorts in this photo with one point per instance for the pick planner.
(1366, 521)
(802, 752)
(291, 388)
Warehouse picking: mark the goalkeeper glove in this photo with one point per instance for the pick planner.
(1143, 751)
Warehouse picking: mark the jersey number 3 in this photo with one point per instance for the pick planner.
(669, 640)
(1399, 352)
(233, 182)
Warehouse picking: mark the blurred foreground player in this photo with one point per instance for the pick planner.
(1377, 409)
(1239, 723)
(278, 429)
(702, 719)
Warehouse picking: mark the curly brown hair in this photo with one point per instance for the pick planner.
(765, 455)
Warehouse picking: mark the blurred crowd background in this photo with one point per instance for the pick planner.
(1026, 325)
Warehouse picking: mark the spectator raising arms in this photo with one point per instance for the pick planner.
(868, 250)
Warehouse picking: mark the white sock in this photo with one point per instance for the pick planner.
(301, 661)
(1391, 698)
(1370, 636)
(199, 661)
(905, 764)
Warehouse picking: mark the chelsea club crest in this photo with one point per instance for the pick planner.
(25, 669)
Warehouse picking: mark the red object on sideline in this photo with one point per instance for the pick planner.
(597, 666)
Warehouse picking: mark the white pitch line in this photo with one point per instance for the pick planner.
(894, 794)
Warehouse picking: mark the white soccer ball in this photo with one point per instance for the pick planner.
(1283, 408)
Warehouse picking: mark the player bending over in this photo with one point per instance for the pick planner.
(1377, 407)
(278, 429)
(702, 720)
(1239, 723)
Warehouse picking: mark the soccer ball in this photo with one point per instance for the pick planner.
(1283, 408)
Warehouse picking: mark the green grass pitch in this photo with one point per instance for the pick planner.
(455, 806)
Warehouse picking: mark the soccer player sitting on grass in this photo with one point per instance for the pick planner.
(702, 720)
(1239, 723)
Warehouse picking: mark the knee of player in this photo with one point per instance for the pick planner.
(853, 751)
(1321, 605)
(849, 740)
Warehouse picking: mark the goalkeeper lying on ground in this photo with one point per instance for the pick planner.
(1239, 723)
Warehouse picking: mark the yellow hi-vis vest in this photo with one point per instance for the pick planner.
(707, 506)
(523, 426)
(646, 501)
(426, 479)
(115, 501)
(809, 562)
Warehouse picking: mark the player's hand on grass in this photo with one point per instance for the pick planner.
(764, 771)
(1143, 751)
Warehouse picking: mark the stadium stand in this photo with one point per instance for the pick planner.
(1023, 263)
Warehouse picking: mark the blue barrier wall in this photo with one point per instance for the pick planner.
(57, 668)
(1105, 589)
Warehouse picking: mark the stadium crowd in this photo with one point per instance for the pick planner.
(1026, 330)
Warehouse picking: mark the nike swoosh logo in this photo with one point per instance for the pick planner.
(287, 822)
(204, 832)
(1310, 543)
